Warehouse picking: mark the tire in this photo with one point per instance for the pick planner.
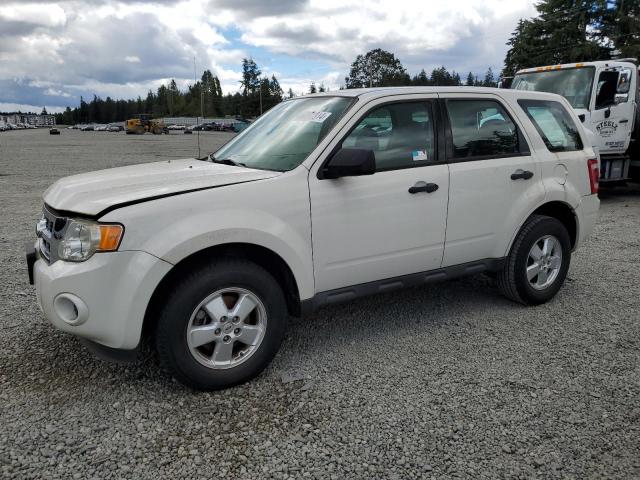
(194, 366)
(513, 280)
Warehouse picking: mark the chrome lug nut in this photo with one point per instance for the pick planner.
(236, 331)
(217, 331)
(226, 338)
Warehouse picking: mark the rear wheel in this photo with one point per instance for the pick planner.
(538, 262)
(222, 325)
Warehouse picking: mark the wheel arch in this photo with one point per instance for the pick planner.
(266, 258)
(561, 211)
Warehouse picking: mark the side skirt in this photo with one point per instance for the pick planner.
(346, 294)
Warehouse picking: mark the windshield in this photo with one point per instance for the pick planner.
(574, 84)
(282, 138)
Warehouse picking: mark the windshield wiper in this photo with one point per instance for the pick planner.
(226, 161)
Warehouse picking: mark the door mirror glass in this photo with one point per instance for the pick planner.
(350, 162)
(622, 98)
(624, 81)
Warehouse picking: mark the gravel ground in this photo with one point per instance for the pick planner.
(449, 380)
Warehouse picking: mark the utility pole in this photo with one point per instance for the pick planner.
(260, 97)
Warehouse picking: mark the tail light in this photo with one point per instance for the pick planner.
(594, 174)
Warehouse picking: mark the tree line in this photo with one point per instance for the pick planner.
(379, 68)
(203, 98)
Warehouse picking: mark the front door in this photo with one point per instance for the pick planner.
(375, 227)
(613, 112)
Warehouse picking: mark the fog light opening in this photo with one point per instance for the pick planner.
(71, 309)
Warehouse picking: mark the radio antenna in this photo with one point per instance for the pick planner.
(195, 81)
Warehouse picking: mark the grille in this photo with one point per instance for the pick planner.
(49, 230)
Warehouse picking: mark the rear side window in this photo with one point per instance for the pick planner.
(481, 128)
(554, 125)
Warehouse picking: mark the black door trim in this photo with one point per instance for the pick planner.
(353, 292)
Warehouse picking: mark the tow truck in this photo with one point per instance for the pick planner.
(605, 96)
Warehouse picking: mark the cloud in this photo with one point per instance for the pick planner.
(260, 8)
(51, 52)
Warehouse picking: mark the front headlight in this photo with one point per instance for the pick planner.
(83, 238)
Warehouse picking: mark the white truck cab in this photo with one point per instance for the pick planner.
(324, 198)
(604, 95)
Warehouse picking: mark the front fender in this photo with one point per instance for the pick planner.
(273, 214)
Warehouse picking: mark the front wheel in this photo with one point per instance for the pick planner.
(222, 325)
(538, 262)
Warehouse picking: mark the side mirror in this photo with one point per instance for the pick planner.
(350, 162)
(582, 117)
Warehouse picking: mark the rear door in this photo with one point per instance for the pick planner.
(494, 178)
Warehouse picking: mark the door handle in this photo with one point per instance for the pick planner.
(624, 120)
(424, 187)
(521, 174)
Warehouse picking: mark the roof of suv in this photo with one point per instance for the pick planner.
(378, 92)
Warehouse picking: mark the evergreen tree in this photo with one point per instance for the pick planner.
(569, 31)
(421, 79)
(312, 88)
(489, 80)
(620, 23)
(470, 80)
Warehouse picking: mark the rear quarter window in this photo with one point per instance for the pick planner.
(554, 124)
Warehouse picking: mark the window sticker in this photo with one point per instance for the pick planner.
(419, 155)
(317, 117)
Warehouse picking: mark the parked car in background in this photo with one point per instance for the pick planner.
(224, 127)
(115, 127)
(87, 128)
(325, 198)
(239, 126)
(54, 131)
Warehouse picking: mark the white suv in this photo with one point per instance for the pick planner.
(325, 198)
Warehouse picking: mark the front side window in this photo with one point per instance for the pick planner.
(574, 84)
(401, 135)
(481, 128)
(282, 138)
(606, 89)
(553, 123)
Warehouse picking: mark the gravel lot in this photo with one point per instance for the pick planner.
(450, 380)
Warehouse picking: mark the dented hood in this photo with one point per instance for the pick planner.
(94, 192)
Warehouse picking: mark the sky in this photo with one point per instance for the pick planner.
(51, 53)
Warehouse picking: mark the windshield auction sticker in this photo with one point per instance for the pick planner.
(317, 117)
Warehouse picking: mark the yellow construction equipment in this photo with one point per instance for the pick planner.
(143, 123)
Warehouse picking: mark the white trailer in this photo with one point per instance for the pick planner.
(605, 96)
